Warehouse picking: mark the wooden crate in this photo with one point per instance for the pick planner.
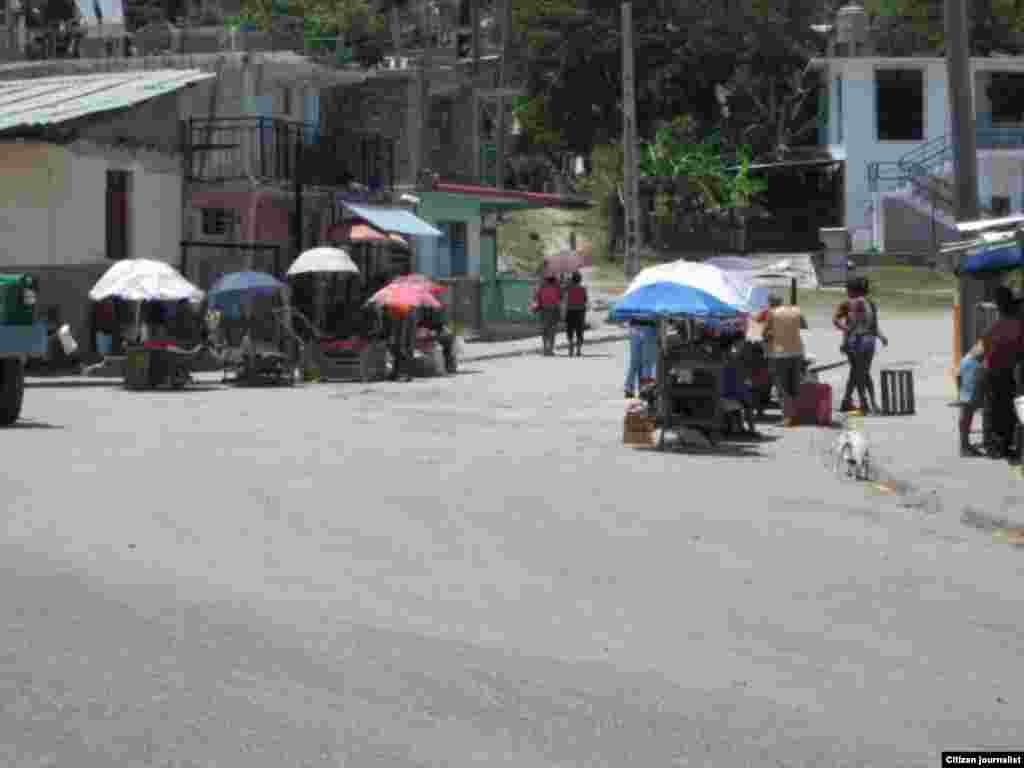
(638, 429)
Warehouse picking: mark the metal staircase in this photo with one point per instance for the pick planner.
(924, 169)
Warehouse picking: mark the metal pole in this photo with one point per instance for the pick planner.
(631, 193)
(424, 83)
(506, 35)
(965, 151)
(298, 197)
(474, 13)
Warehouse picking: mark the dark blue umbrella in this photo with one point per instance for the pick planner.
(229, 289)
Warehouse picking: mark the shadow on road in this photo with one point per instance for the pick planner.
(197, 388)
(727, 450)
(24, 424)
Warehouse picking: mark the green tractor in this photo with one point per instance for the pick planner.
(21, 336)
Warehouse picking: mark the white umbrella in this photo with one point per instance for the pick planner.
(323, 259)
(144, 280)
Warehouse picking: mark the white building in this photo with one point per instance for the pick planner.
(888, 119)
(90, 171)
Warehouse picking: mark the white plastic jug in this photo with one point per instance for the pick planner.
(67, 340)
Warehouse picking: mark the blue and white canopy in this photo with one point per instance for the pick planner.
(683, 288)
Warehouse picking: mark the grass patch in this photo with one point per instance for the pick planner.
(525, 237)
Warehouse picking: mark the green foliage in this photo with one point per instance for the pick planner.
(532, 114)
(675, 154)
(321, 18)
(607, 166)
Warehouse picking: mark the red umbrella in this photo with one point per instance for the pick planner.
(405, 295)
(421, 281)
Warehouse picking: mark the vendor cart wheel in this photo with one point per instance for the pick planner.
(661, 439)
(12, 390)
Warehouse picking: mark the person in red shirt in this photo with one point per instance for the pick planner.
(1004, 350)
(576, 303)
(549, 304)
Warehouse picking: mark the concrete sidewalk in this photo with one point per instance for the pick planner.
(471, 353)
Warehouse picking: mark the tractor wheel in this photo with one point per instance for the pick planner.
(12, 390)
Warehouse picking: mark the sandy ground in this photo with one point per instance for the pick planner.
(475, 571)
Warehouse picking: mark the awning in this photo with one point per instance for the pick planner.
(394, 220)
(51, 100)
(358, 232)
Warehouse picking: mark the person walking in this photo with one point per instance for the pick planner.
(576, 305)
(785, 347)
(878, 336)
(1004, 350)
(549, 303)
(855, 319)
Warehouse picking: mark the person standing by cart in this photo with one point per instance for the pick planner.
(576, 305)
(549, 304)
(1004, 351)
(403, 341)
(785, 347)
(643, 351)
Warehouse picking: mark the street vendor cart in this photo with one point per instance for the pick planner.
(151, 361)
(699, 312)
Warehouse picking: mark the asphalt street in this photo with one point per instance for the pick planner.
(475, 571)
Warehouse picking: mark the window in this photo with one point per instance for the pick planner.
(1004, 93)
(218, 222)
(899, 103)
(3, 13)
(118, 223)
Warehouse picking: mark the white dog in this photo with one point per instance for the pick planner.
(852, 454)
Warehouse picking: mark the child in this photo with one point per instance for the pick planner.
(971, 395)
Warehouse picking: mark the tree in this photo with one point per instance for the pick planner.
(686, 54)
(321, 18)
(907, 26)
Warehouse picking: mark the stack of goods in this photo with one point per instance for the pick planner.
(638, 426)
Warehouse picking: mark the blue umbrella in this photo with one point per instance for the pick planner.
(683, 288)
(994, 259)
(229, 289)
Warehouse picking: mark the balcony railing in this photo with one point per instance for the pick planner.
(274, 150)
(993, 134)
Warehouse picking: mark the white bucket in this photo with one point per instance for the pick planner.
(1018, 406)
(67, 340)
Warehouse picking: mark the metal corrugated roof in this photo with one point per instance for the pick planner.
(50, 100)
(394, 220)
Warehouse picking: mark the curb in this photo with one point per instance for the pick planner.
(70, 383)
(536, 350)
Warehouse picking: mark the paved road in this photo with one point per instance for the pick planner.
(475, 571)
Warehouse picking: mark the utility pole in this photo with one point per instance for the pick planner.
(474, 20)
(506, 35)
(631, 191)
(426, 62)
(965, 157)
(474, 14)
